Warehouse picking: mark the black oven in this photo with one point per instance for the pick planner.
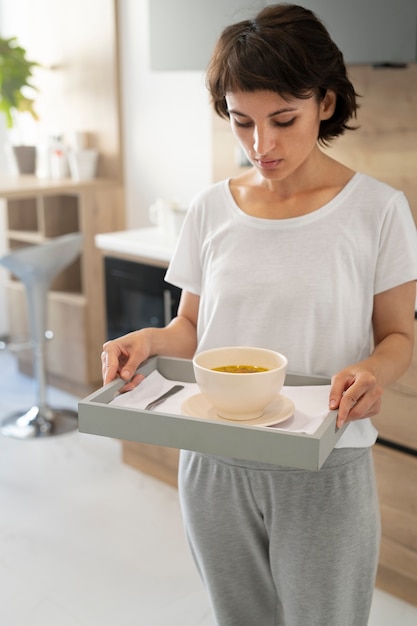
(137, 296)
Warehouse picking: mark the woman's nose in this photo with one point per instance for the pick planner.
(262, 141)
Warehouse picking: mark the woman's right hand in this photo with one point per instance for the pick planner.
(121, 357)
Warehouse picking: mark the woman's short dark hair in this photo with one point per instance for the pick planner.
(286, 49)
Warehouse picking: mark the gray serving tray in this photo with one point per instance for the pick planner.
(253, 443)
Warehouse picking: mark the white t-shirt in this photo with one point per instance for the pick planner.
(303, 286)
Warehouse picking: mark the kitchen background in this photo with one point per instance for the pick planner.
(160, 128)
(149, 117)
(167, 141)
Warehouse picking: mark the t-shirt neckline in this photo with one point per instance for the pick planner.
(317, 214)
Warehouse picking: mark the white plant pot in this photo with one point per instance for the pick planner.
(83, 164)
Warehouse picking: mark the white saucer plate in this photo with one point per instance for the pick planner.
(277, 411)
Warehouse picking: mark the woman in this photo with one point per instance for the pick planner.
(302, 255)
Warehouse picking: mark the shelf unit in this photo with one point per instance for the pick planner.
(38, 210)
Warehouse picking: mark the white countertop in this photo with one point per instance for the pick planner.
(143, 243)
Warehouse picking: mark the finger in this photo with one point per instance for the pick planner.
(128, 369)
(357, 404)
(111, 357)
(134, 382)
(338, 387)
(109, 372)
(365, 408)
(121, 357)
(346, 406)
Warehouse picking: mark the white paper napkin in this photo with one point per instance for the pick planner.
(311, 407)
(153, 386)
(311, 402)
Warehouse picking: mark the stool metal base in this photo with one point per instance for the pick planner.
(36, 423)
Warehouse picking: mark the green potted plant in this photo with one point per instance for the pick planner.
(15, 74)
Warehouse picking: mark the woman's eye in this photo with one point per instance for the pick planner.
(285, 124)
(242, 124)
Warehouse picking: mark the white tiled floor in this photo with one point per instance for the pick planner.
(88, 541)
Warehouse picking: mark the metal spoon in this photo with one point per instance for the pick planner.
(164, 396)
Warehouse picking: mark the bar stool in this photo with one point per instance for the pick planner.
(36, 267)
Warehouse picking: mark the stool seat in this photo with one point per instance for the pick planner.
(36, 267)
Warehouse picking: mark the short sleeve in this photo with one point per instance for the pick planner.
(397, 258)
(184, 270)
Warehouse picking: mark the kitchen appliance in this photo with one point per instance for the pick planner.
(137, 296)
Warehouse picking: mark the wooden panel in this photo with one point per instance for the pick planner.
(399, 525)
(66, 357)
(385, 145)
(397, 487)
(22, 214)
(66, 352)
(69, 279)
(157, 461)
(398, 419)
(101, 211)
(60, 215)
(397, 479)
(396, 584)
(399, 558)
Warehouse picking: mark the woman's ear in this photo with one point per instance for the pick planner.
(328, 105)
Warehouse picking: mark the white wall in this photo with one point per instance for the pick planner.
(167, 123)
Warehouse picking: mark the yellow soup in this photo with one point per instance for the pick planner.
(240, 369)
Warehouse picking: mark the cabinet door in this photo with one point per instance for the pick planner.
(183, 32)
(397, 488)
(370, 32)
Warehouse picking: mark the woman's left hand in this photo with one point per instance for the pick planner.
(356, 393)
(357, 390)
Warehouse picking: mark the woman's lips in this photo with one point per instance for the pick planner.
(268, 164)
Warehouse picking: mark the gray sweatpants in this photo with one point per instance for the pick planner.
(277, 546)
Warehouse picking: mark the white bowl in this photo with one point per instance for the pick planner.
(240, 396)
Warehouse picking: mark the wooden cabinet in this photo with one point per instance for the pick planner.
(397, 486)
(395, 458)
(151, 247)
(38, 210)
(157, 461)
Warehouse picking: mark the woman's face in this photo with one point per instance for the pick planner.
(279, 136)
